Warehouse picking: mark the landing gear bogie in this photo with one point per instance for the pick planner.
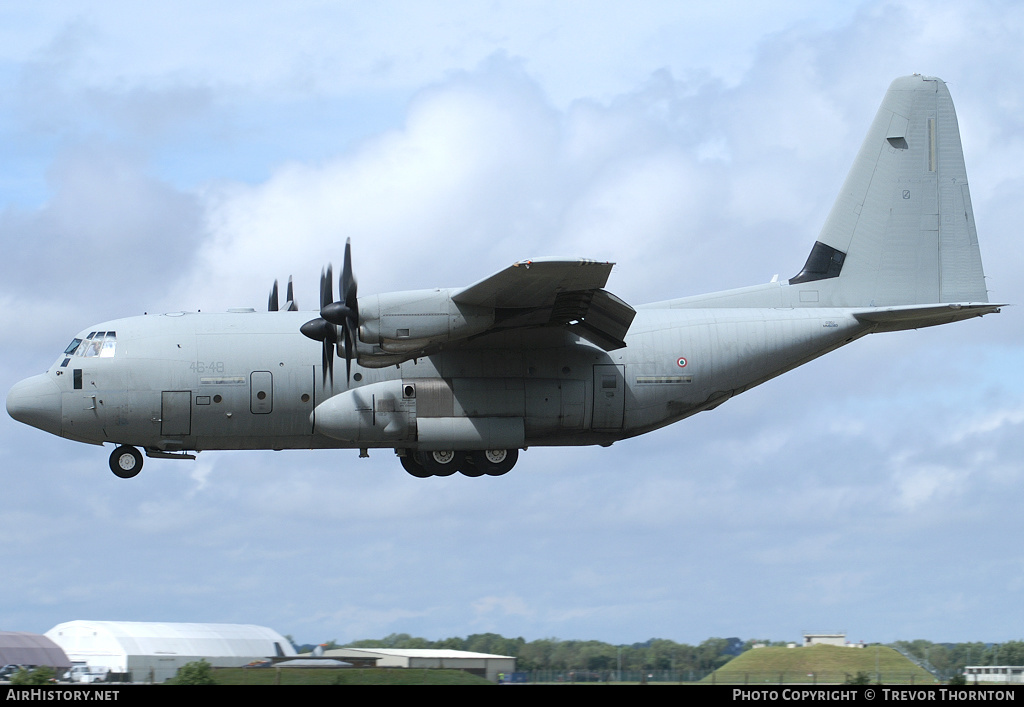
(489, 462)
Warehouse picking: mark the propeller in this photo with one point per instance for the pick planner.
(345, 312)
(320, 329)
(290, 305)
(338, 324)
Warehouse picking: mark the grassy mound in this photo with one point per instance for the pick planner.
(820, 664)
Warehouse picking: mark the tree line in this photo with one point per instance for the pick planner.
(950, 658)
(557, 654)
(664, 654)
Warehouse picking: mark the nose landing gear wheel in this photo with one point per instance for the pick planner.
(126, 462)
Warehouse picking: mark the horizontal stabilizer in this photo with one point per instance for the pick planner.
(918, 316)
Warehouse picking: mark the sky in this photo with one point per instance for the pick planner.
(161, 157)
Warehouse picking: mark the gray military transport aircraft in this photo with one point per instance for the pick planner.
(538, 354)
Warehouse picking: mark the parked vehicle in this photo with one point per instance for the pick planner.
(86, 674)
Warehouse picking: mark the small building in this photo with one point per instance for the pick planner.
(837, 638)
(18, 648)
(994, 673)
(153, 651)
(485, 665)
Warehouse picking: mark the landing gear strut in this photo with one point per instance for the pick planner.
(126, 461)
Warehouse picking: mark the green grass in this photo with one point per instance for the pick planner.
(821, 664)
(344, 676)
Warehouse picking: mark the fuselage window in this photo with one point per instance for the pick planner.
(72, 346)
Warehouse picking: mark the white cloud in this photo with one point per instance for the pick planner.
(986, 423)
(919, 485)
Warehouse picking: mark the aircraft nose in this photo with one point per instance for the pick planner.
(36, 401)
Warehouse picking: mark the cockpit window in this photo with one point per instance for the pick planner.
(72, 346)
(108, 345)
(98, 343)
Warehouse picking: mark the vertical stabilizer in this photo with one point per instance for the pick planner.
(902, 230)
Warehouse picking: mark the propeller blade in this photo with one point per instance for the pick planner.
(272, 302)
(348, 280)
(326, 287)
(346, 339)
(290, 304)
(327, 359)
(349, 309)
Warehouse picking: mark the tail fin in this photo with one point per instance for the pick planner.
(902, 230)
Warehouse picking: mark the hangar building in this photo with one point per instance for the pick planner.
(153, 651)
(17, 648)
(482, 664)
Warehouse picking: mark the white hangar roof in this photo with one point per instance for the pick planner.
(83, 638)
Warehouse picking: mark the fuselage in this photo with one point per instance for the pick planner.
(248, 380)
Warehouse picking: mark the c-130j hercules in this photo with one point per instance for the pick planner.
(538, 354)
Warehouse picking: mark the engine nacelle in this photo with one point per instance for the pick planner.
(406, 322)
(372, 413)
(432, 414)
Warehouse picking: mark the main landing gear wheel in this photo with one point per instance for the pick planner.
(495, 462)
(414, 467)
(468, 468)
(443, 463)
(126, 461)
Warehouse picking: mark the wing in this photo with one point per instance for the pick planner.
(534, 283)
(548, 292)
(554, 292)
